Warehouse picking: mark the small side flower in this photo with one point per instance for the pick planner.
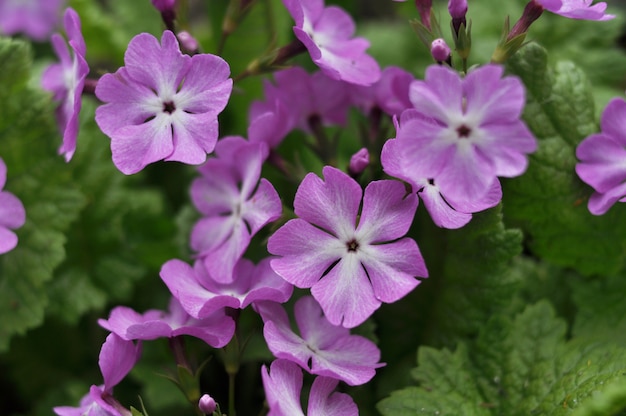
(66, 81)
(162, 105)
(603, 159)
(12, 214)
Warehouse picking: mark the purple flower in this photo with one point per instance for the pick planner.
(322, 349)
(235, 205)
(12, 214)
(66, 80)
(326, 100)
(327, 34)
(576, 9)
(351, 266)
(162, 104)
(117, 358)
(444, 210)
(216, 329)
(34, 18)
(200, 296)
(603, 159)
(390, 93)
(283, 383)
(464, 133)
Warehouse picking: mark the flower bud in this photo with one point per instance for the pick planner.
(358, 162)
(187, 42)
(440, 50)
(457, 9)
(164, 5)
(207, 404)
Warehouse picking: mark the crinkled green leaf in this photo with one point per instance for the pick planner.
(470, 280)
(36, 175)
(517, 366)
(549, 201)
(601, 309)
(475, 281)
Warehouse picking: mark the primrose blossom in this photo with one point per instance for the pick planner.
(352, 266)
(327, 33)
(162, 105)
(36, 19)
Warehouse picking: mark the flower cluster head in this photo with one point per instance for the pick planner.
(66, 81)
(162, 105)
(603, 159)
(460, 135)
(389, 94)
(352, 261)
(285, 109)
(117, 358)
(576, 9)
(283, 383)
(327, 33)
(12, 214)
(36, 19)
(235, 204)
(321, 348)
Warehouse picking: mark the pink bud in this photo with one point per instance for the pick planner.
(207, 404)
(457, 8)
(164, 5)
(440, 50)
(359, 161)
(188, 42)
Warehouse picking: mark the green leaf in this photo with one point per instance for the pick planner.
(37, 176)
(475, 281)
(470, 279)
(516, 366)
(601, 309)
(549, 201)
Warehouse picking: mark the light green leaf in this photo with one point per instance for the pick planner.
(516, 366)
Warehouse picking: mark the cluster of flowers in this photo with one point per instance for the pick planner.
(454, 137)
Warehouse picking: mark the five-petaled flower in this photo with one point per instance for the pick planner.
(162, 104)
(321, 348)
(327, 34)
(352, 261)
(464, 132)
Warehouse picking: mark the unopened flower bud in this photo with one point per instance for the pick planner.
(424, 7)
(164, 5)
(458, 10)
(188, 42)
(440, 50)
(358, 162)
(207, 404)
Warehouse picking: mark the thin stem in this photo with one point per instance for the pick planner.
(231, 393)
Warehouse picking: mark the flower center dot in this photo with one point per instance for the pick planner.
(352, 245)
(169, 107)
(464, 131)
